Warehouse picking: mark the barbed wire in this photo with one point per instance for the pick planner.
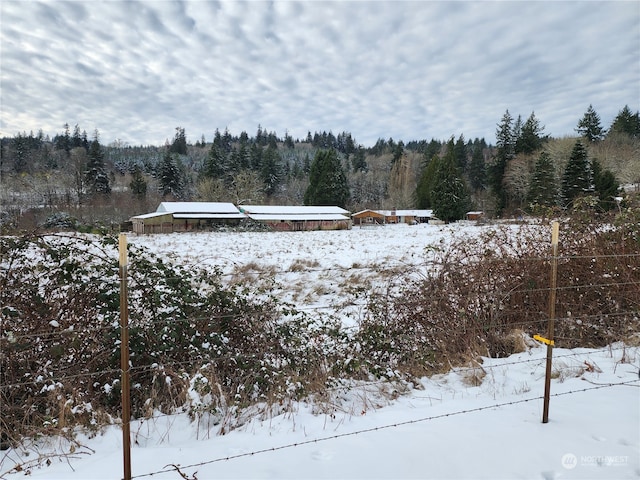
(161, 366)
(285, 307)
(378, 428)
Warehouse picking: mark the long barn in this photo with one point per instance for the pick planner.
(189, 216)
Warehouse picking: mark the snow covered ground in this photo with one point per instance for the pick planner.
(473, 423)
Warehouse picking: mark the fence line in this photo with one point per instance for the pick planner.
(168, 321)
(379, 268)
(163, 365)
(177, 467)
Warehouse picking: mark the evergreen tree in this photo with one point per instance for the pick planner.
(460, 153)
(261, 138)
(358, 161)
(516, 131)
(243, 156)
(327, 181)
(426, 182)
(543, 188)
(577, 177)
(63, 142)
(477, 170)
(432, 149)
(96, 178)
(531, 136)
(76, 138)
(271, 170)
(589, 126)
(215, 166)
(627, 123)
(398, 151)
(605, 185)
(288, 141)
(306, 164)
(20, 148)
(505, 151)
(169, 176)
(449, 196)
(255, 156)
(138, 184)
(179, 144)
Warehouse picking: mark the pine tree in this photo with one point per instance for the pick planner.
(577, 176)
(543, 188)
(460, 152)
(449, 196)
(426, 183)
(20, 148)
(505, 151)
(531, 136)
(271, 170)
(398, 151)
(169, 177)
(63, 142)
(96, 178)
(626, 123)
(605, 185)
(432, 149)
(477, 170)
(76, 138)
(327, 181)
(215, 166)
(255, 156)
(179, 144)
(589, 126)
(358, 162)
(138, 184)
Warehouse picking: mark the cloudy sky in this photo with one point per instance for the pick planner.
(377, 69)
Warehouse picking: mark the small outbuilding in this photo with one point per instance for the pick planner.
(475, 215)
(382, 217)
(368, 218)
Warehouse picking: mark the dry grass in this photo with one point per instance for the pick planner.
(302, 265)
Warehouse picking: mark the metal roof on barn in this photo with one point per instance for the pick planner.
(145, 216)
(406, 213)
(274, 213)
(198, 208)
(265, 217)
(282, 210)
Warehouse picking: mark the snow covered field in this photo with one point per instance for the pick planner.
(482, 423)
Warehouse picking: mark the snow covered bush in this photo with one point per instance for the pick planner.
(60, 342)
(477, 291)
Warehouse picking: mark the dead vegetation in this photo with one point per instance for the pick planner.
(225, 351)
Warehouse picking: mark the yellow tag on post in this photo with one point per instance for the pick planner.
(543, 340)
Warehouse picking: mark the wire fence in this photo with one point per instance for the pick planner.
(179, 468)
(619, 279)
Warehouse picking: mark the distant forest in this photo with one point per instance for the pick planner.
(73, 179)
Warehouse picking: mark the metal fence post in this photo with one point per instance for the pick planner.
(124, 358)
(552, 314)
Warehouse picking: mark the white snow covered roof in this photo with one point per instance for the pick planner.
(406, 213)
(280, 210)
(209, 215)
(198, 207)
(266, 217)
(144, 216)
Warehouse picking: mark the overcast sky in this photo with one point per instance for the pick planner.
(406, 70)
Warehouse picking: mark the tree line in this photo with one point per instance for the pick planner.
(526, 170)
